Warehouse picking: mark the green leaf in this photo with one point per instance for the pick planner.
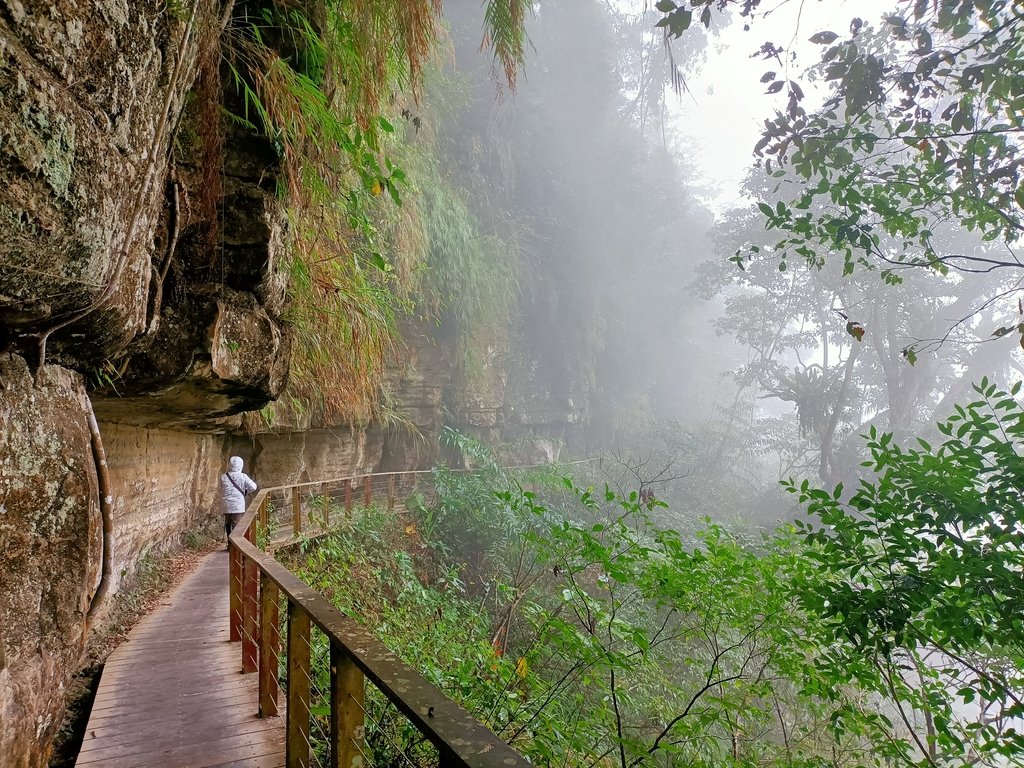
(379, 262)
(824, 38)
(679, 21)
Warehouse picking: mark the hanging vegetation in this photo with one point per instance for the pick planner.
(322, 85)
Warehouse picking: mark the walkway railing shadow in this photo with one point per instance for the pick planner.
(261, 588)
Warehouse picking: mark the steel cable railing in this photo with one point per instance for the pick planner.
(329, 657)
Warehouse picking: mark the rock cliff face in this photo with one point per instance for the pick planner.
(163, 482)
(534, 398)
(88, 94)
(50, 537)
(113, 274)
(305, 449)
(135, 285)
(532, 391)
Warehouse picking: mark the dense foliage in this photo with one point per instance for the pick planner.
(884, 631)
(923, 566)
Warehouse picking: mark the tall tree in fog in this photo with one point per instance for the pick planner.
(840, 348)
(564, 161)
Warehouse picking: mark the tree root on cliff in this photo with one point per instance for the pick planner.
(174, 227)
(99, 456)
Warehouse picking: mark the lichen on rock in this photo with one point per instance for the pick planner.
(49, 534)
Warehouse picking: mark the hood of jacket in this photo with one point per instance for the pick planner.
(235, 464)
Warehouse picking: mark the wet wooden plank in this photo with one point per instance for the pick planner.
(140, 700)
(139, 708)
(194, 755)
(256, 762)
(158, 736)
(173, 694)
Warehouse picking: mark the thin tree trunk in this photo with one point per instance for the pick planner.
(99, 456)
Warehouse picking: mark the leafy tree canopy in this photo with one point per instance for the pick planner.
(920, 131)
(918, 580)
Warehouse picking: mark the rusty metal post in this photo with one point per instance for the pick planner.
(297, 745)
(367, 491)
(296, 512)
(250, 615)
(347, 723)
(348, 498)
(264, 516)
(327, 505)
(391, 492)
(234, 593)
(270, 646)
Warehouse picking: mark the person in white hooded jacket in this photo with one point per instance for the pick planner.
(234, 484)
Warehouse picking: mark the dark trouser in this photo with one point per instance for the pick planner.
(230, 521)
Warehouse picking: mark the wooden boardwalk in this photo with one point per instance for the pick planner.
(173, 695)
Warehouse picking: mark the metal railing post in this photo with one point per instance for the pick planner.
(367, 491)
(270, 645)
(297, 745)
(391, 492)
(296, 512)
(327, 505)
(348, 728)
(348, 497)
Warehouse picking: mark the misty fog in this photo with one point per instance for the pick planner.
(719, 380)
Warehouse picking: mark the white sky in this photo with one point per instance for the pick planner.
(721, 119)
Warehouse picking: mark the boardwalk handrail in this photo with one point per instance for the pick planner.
(256, 580)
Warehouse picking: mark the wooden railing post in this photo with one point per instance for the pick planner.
(347, 720)
(327, 505)
(257, 582)
(264, 516)
(270, 645)
(297, 746)
(234, 593)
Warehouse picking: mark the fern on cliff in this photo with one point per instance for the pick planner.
(319, 85)
(343, 322)
(314, 86)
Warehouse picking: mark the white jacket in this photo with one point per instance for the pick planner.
(232, 498)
